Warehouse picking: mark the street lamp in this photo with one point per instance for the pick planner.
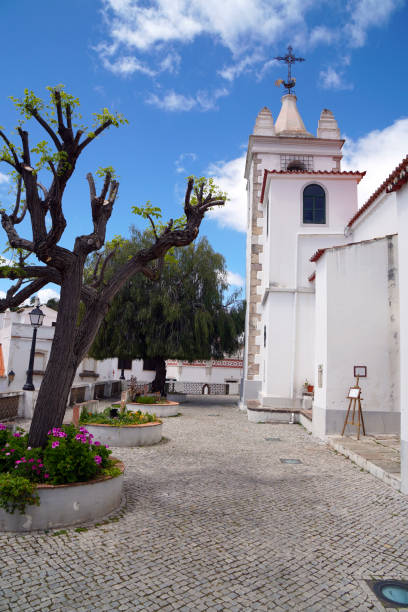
(36, 319)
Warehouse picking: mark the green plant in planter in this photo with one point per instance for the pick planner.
(70, 455)
(122, 419)
(16, 492)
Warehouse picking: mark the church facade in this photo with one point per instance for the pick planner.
(324, 281)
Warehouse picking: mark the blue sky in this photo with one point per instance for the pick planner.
(191, 76)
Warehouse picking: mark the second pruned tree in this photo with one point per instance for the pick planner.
(84, 301)
(188, 313)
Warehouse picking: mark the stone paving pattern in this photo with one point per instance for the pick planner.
(214, 521)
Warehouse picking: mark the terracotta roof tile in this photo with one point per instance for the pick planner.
(395, 181)
(308, 172)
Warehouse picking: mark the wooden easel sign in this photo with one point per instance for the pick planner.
(354, 395)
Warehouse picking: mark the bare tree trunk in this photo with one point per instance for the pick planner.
(63, 362)
(159, 382)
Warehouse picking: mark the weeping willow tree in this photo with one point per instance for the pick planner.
(186, 314)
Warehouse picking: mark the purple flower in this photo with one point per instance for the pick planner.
(17, 434)
(7, 454)
(46, 475)
(28, 447)
(55, 444)
(106, 446)
(96, 443)
(98, 459)
(2, 427)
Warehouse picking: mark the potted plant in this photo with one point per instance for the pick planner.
(127, 428)
(56, 485)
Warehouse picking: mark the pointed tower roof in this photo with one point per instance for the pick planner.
(264, 123)
(327, 127)
(289, 122)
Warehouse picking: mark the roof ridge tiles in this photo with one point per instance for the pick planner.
(390, 183)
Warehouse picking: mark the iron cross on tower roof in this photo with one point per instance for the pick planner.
(289, 59)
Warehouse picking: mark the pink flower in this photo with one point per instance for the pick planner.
(96, 443)
(17, 434)
(28, 447)
(46, 475)
(2, 427)
(98, 459)
(7, 454)
(55, 444)
(30, 460)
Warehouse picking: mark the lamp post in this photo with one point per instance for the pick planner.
(36, 319)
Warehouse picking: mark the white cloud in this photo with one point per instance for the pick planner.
(234, 70)
(127, 65)
(179, 163)
(378, 152)
(171, 63)
(2, 294)
(333, 79)
(230, 177)
(365, 14)
(172, 101)
(4, 178)
(235, 279)
(321, 35)
(46, 294)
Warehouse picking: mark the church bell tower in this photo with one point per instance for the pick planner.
(298, 200)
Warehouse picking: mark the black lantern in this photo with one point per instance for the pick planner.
(36, 320)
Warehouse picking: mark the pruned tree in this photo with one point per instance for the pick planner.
(188, 313)
(43, 205)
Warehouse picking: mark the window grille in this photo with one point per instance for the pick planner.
(305, 160)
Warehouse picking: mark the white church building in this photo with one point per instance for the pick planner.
(326, 282)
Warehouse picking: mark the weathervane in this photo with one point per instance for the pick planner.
(289, 59)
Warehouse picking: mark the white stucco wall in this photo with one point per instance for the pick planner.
(402, 208)
(380, 219)
(285, 222)
(357, 312)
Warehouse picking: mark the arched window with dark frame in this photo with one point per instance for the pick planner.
(314, 204)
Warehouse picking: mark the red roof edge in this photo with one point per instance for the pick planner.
(312, 277)
(360, 175)
(395, 181)
(317, 255)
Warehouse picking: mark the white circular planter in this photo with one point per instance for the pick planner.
(160, 410)
(126, 435)
(67, 504)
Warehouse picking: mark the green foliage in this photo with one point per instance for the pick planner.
(102, 172)
(126, 418)
(186, 314)
(146, 399)
(70, 455)
(72, 458)
(45, 153)
(16, 492)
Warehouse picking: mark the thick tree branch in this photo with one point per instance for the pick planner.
(101, 212)
(47, 128)
(14, 239)
(167, 239)
(10, 146)
(26, 149)
(98, 131)
(24, 294)
(13, 215)
(153, 227)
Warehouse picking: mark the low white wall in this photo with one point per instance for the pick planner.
(357, 323)
(65, 505)
(127, 435)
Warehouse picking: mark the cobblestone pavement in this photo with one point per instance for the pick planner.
(214, 521)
